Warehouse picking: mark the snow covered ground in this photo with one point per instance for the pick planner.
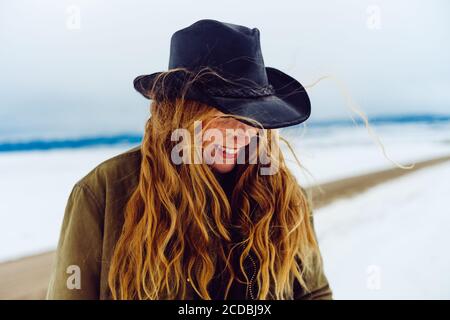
(391, 242)
(34, 188)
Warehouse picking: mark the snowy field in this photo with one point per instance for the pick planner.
(389, 242)
(34, 188)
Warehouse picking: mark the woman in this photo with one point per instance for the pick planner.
(205, 207)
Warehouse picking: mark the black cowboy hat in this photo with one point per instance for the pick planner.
(252, 90)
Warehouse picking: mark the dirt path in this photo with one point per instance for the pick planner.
(351, 186)
(27, 278)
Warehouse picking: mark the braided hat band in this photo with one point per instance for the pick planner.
(241, 92)
(210, 84)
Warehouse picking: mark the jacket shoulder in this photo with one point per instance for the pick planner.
(118, 174)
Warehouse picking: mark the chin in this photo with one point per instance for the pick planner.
(223, 168)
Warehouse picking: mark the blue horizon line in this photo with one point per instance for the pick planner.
(134, 138)
(427, 118)
(75, 143)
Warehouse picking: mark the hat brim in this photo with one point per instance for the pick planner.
(288, 106)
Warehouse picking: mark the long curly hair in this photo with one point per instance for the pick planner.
(179, 214)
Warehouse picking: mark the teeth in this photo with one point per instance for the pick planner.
(230, 151)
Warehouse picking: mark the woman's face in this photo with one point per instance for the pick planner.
(225, 141)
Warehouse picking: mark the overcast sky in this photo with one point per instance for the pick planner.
(58, 72)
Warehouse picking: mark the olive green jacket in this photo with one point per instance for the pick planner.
(92, 224)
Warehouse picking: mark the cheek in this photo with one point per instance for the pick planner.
(208, 153)
(208, 147)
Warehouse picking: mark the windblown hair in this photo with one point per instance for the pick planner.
(179, 215)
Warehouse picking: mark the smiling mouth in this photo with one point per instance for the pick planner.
(229, 153)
